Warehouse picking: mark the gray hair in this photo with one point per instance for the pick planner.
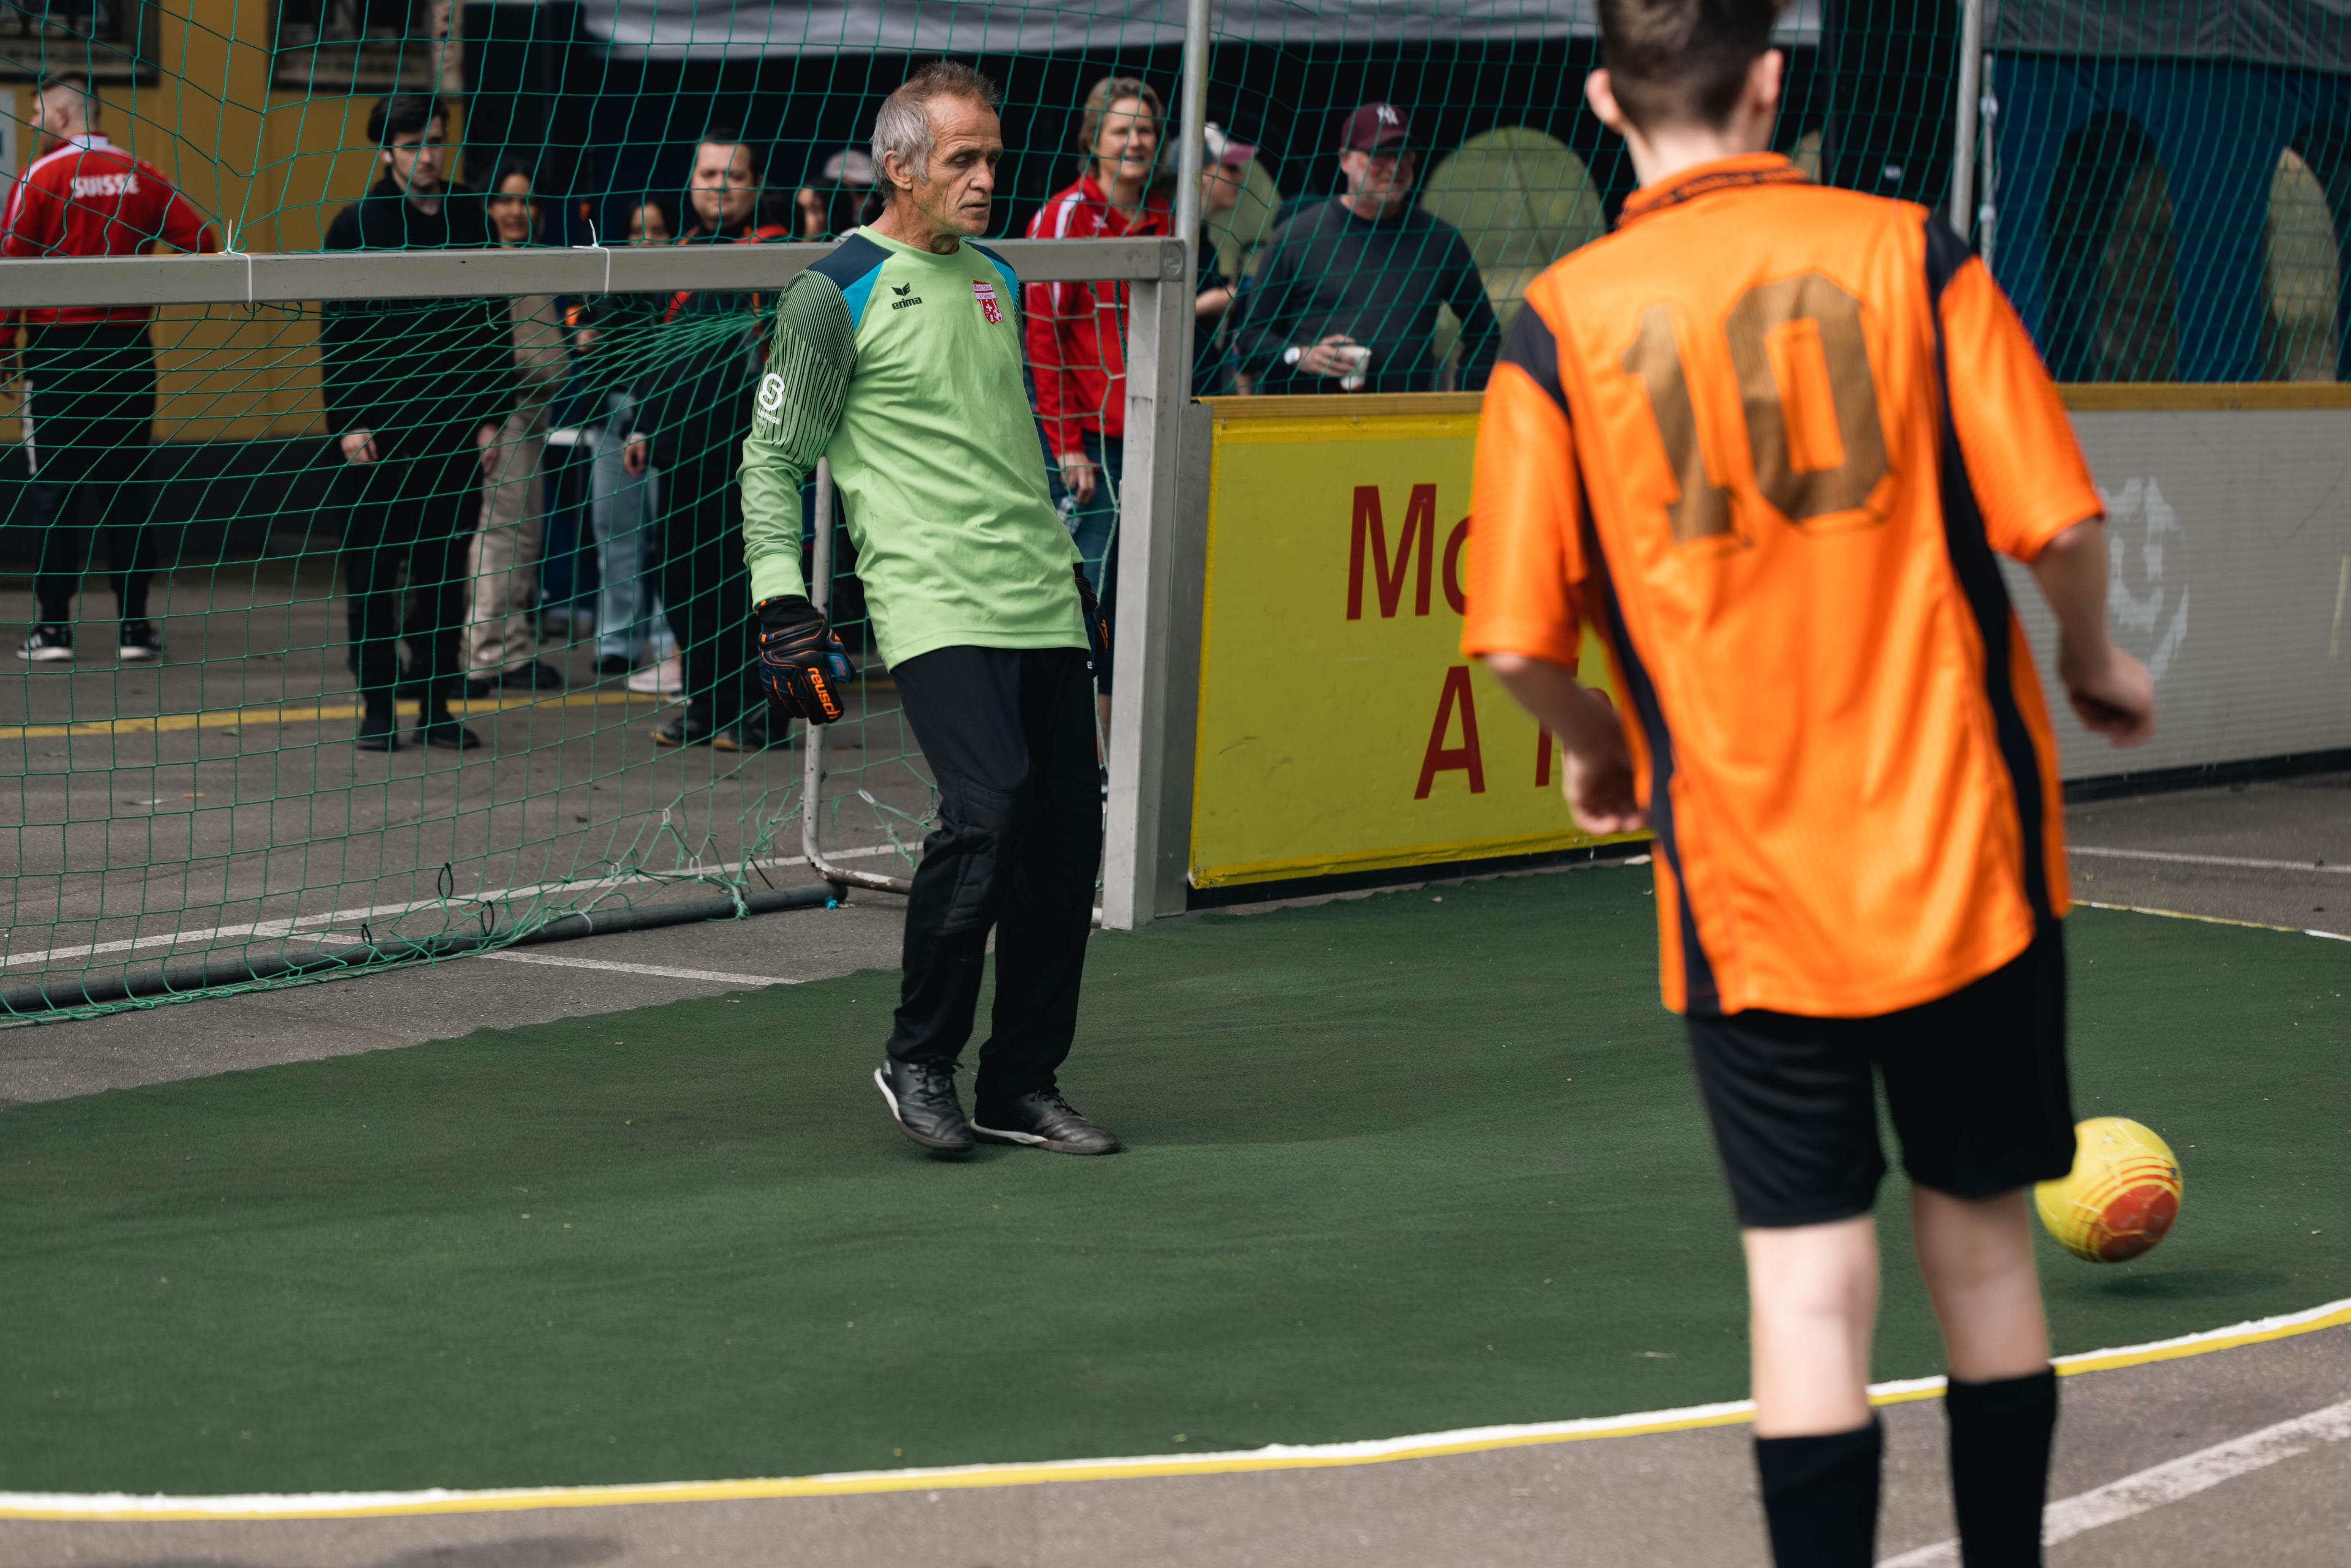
(902, 124)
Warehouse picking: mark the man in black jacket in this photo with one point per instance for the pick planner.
(1347, 299)
(414, 391)
(702, 368)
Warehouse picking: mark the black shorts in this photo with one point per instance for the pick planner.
(1976, 1081)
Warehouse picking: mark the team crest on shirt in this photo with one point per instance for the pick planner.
(986, 294)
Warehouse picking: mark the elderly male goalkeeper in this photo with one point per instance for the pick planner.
(898, 355)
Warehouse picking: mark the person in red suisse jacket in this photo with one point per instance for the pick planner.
(1077, 332)
(90, 406)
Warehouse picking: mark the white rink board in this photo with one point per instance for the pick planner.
(2229, 531)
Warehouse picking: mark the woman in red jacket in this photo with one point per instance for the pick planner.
(1077, 332)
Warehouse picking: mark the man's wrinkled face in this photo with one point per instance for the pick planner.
(1381, 176)
(413, 160)
(957, 191)
(723, 186)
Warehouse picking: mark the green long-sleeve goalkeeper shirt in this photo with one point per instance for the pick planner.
(904, 368)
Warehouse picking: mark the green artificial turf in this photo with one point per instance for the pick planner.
(1396, 1165)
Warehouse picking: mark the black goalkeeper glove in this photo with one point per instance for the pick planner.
(801, 659)
(1097, 623)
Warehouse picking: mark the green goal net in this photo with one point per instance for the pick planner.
(205, 594)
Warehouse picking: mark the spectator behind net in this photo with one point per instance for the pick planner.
(416, 390)
(1223, 174)
(1365, 271)
(501, 640)
(624, 507)
(90, 403)
(702, 364)
(1077, 332)
(842, 197)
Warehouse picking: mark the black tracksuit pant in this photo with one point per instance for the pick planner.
(413, 510)
(91, 413)
(1010, 736)
(705, 588)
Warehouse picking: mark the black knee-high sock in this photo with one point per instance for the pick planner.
(2000, 1466)
(1819, 1497)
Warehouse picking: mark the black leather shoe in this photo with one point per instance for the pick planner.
(531, 676)
(443, 730)
(379, 729)
(921, 1097)
(687, 727)
(1043, 1120)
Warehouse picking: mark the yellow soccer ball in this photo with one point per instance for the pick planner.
(2122, 1196)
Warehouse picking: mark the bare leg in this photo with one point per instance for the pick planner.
(1812, 1294)
(1977, 1255)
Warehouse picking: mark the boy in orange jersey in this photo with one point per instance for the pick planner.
(1766, 439)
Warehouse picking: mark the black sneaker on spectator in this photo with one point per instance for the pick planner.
(690, 725)
(614, 665)
(921, 1099)
(1043, 1120)
(47, 643)
(439, 727)
(749, 733)
(138, 643)
(379, 728)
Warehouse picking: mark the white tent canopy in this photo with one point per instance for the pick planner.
(719, 30)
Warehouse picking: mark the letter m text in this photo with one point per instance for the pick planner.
(1416, 542)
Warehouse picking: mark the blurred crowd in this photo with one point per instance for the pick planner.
(532, 471)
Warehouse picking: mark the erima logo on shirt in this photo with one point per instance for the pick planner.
(902, 290)
(85, 186)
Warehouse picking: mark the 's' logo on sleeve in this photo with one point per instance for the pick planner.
(986, 294)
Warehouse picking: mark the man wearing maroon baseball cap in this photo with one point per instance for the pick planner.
(1348, 297)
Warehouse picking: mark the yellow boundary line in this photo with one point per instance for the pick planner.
(318, 712)
(297, 713)
(92, 1507)
(1330, 1455)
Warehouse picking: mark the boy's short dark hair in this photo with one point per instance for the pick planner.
(1682, 62)
(402, 114)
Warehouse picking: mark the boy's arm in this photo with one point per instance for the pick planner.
(344, 381)
(2025, 471)
(1526, 554)
(2111, 691)
(810, 358)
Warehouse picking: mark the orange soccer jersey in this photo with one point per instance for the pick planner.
(1767, 438)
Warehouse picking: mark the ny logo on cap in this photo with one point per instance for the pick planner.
(1388, 115)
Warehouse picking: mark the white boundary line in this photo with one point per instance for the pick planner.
(2152, 1487)
(98, 1505)
(2167, 855)
(266, 929)
(721, 977)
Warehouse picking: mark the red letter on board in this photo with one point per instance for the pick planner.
(1419, 528)
(1466, 757)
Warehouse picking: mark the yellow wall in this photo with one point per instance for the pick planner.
(269, 165)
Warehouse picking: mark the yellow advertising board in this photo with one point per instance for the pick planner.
(1340, 728)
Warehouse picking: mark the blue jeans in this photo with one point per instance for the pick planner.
(1094, 526)
(625, 511)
